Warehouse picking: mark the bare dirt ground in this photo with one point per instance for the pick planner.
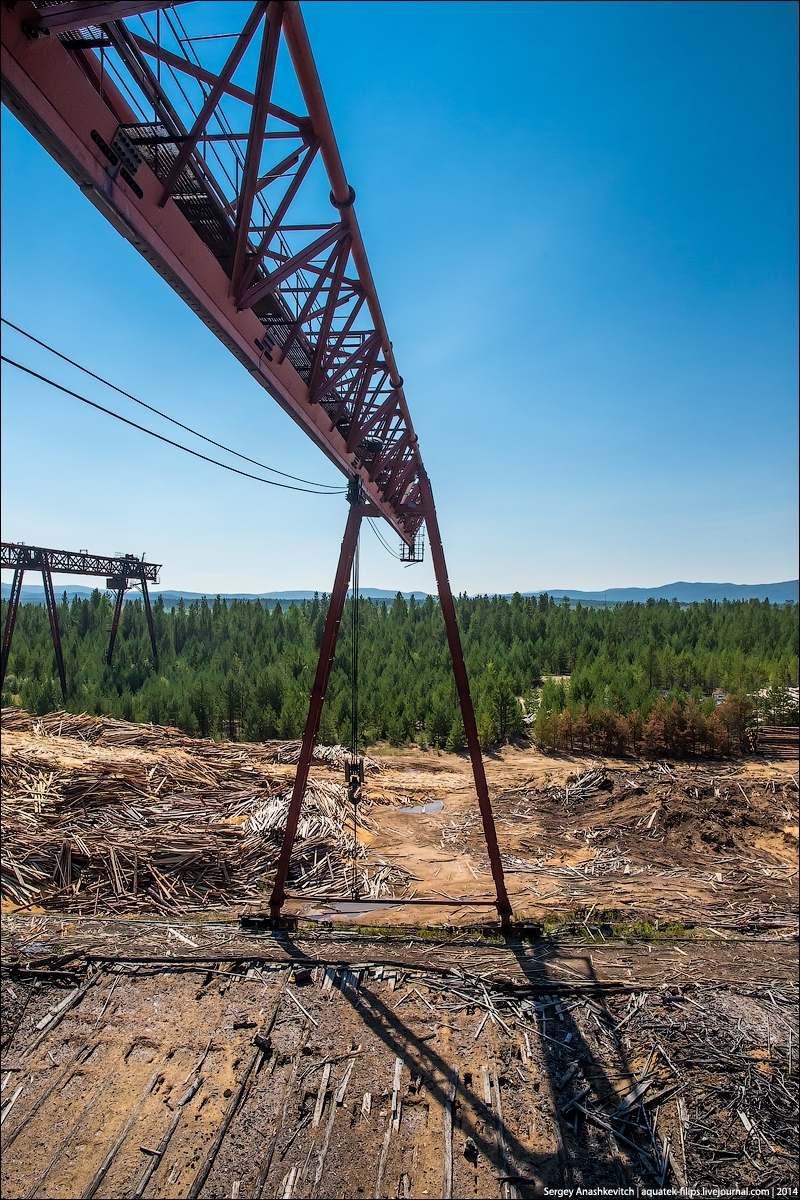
(393, 1068)
(648, 1036)
(705, 844)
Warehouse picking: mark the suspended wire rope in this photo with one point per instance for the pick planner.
(383, 541)
(165, 416)
(355, 766)
(160, 437)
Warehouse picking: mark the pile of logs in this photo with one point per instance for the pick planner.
(331, 756)
(106, 730)
(777, 742)
(170, 832)
(91, 729)
(583, 787)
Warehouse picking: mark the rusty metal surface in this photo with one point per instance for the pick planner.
(16, 556)
(465, 700)
(154, 137)
(117, 569)
(230, 211)
(327, 652)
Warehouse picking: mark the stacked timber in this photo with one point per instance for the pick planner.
(108, 731)
(778, 741)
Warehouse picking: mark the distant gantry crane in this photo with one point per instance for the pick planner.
(120, 572)
(168, 121)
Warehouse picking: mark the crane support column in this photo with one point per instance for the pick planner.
(148, 612)
(115, 623)
(11, 618)
(465, 700)
(324, 665)
(52, 612)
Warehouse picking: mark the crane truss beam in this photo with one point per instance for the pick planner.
(155, 137)
(15, 556)
(113, 91)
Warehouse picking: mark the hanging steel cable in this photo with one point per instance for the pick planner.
(373, 526)
(143, 429)
(356, 765)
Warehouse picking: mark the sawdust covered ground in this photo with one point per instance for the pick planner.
(702, 844)
(649, 1036)
(338, 1065)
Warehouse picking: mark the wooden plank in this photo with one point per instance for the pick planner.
(382, 1161)
(155, 1159)
(78, 1124)
(396, 1103)
(233, 1105)
(58, 1017)
(323, 1087)
(507, 1189)
(69, 1069)
(9, 1104)
(487, 1087)
(338, 1100)
(264, 1169)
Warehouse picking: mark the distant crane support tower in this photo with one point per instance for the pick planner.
(120, 572)
(173, 129)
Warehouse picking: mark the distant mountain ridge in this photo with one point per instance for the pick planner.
(684, 593)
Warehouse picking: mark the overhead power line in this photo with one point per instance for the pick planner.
(264, 466)
(195, 453)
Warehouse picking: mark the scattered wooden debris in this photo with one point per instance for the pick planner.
(183, 834)
(583, 787)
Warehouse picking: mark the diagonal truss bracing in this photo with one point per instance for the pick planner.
(177, 129)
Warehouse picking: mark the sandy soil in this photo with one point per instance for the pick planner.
(497, 1090)
(667, 961)
(706, 844)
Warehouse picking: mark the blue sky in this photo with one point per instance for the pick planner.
(581, 218)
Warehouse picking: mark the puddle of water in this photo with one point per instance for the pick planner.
(434, 806)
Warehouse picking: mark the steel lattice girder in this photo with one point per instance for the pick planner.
(221, 209)
(14, 556)
(292, 298)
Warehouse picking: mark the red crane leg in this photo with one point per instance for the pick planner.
(324, 664)
(11, 619)
(465, 700)
(52, 612)
(115, 624)
(148, 612)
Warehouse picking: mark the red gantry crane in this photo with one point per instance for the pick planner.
(120, 573)
(167, 120)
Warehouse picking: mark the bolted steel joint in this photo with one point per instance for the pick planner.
(355, 490)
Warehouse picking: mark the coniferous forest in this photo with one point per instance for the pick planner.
(636, 678)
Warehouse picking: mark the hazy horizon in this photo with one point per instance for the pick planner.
(581, 220)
